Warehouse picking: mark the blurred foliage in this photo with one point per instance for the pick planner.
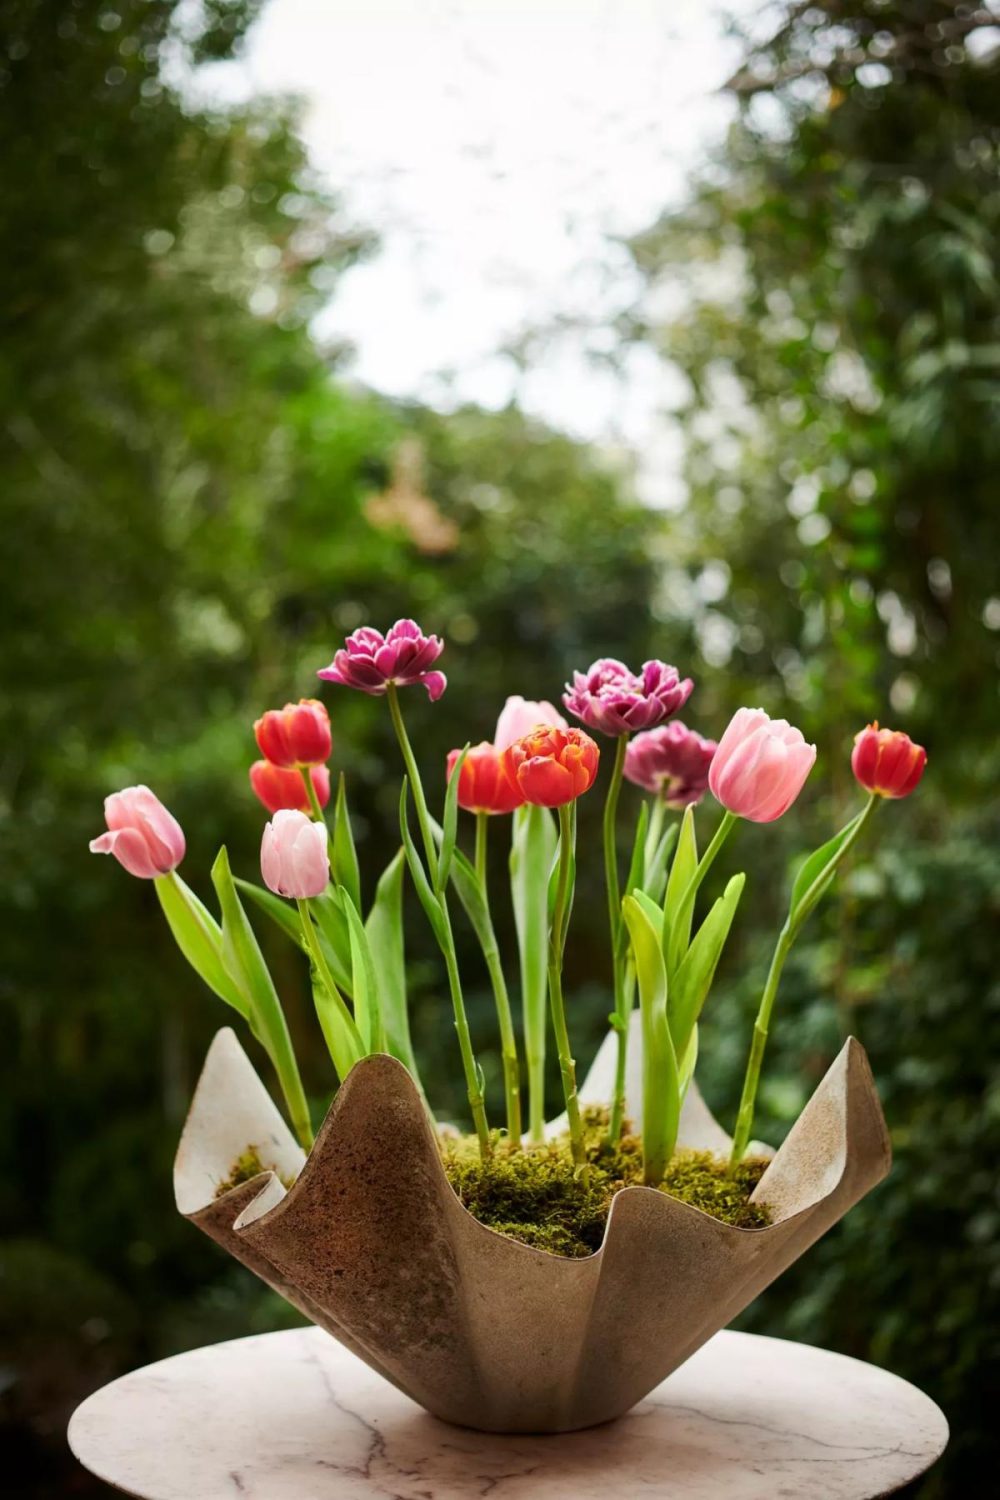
(197, 505)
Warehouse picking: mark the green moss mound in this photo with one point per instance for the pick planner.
(533, 1196)
(245, 1168)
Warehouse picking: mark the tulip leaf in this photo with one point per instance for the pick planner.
(534, 841)
(343, 1045)
(687, 1064)
(661, 1098)
(366, 1007)
(450, 823)
(199, 937)
(473, 898)
(678, 907)
(418, 875)
(693, 979)
(286, 917)
(246, 967)
(384, 930)
(334, 937)
(822, 863)
(345, 858)
(655, 873)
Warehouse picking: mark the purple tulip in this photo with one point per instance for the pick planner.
(612, 700)
(369, 660)
(672, 762)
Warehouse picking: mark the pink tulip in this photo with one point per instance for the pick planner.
(519, 716)
(672, 762)
(144, 838)
(369, 660)
(293, 856)
(760, 766)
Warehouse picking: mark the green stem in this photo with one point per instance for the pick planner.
(787, 936)
(416, 785)
(482, 834)
(315, 811)
(567, 1064)
(686, 905)
(471, 1068)
(620, 1017)
(356, 1047)
(655, 830)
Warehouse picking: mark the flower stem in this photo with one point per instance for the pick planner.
(344, 1040)
(482, 833)
(315, 811)
(557, 938)
(786, 937)
(654, 832)
(471, 1068)
(682, 918)
(620, 1018)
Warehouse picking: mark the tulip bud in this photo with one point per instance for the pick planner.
(278, 788)
(296, 735)
(142, 835)
(760, 766)
(550, 767)
(294, 859)
(887, 761)
(482, 784)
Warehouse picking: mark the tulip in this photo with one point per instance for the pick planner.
(760, 766)
(672, 762)
(551, 767)
(277, 788)
(887, 762)
(293, 856)
(296, 735)
(482, 785)
(610, 699)
(142, 835)
(519, 716)
(371, 661)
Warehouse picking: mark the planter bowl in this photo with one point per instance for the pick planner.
(372, 1244)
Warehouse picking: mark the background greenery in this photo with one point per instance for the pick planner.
(196, 507)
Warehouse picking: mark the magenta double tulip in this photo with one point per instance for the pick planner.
(760, 766)
(294, 860)
(370, 661)
(672, 762)
(519, 716)
(612, 700)
(143, 836)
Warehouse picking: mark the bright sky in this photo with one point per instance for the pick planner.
(498, 148)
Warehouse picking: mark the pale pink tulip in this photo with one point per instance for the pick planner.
(760, 766)
(294, 860)
(519, 716)
(144, 838)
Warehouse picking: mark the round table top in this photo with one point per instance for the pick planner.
(294, 1416)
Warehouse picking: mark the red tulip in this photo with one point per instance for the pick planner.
(887, 761)
(482, 784)
(296, 735)
(278, 788)
(551, 766)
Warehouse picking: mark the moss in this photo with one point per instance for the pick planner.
(533, 1195)
(245, 1168)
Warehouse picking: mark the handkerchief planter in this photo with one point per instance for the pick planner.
(372, 1244)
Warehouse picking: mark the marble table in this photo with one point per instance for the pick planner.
(293, 1416)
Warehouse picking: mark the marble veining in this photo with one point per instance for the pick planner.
(295, 1416)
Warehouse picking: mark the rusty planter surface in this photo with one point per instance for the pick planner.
(372, 1244)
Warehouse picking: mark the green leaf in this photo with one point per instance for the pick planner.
(246, 967)
(661, 1096)
(693, 979)
(418, 875)
(366, 1006)
(334, 937)
(287, 918)
(655, 873)
(450, 823)
(199, 937)
(345, 859)
(811, 869)
(635, 876)
(687, 1064)
(678, 912)
(534, 841)
(384, 930)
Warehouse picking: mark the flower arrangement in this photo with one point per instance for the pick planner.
(533, 771)
(528, 1277)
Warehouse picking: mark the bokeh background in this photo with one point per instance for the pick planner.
(751, 425)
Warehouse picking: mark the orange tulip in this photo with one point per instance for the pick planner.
(550, 766)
